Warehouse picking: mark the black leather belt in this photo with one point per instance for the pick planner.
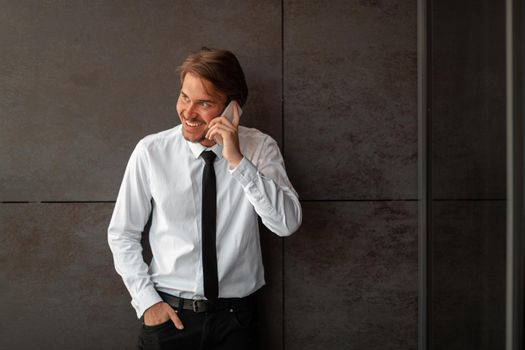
(206, 305)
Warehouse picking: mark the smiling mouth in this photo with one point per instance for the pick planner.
(193, 124)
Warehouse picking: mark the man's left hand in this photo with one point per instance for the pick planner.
(226, 134)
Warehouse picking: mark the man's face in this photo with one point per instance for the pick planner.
(199, 102)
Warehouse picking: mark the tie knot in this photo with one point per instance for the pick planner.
(208, 156)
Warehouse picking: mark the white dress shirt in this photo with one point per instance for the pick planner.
(166, 170)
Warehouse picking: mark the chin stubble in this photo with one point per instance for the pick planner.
(198, 140)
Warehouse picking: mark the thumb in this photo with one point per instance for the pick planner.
(176, 320)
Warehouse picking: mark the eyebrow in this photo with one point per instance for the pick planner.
(207, 101)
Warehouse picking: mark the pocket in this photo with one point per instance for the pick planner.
(157, 326)
(243, 318)
(153, 336)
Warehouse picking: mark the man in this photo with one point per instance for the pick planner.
(205, 182)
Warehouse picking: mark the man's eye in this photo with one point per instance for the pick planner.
(185, 98)
(205, 104)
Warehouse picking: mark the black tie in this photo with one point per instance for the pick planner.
(209, 212)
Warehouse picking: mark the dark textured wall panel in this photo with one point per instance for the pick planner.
(59, 288)
(468, 275)
(350, 98)
(468, 99)
(351, 277)
(468, 163)
(82, 82)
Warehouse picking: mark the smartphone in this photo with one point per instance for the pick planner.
(228, 111)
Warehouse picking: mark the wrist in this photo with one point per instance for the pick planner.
(149, 309)
(235, 161)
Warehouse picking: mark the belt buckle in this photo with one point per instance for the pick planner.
(195, 306)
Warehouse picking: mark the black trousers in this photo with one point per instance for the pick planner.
(226, 329)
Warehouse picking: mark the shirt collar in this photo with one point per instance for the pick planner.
(196, 149)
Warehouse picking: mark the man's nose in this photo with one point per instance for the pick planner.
(191, 109)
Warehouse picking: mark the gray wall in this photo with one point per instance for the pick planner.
(334, 82)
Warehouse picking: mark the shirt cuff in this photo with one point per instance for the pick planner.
(245, 172)
(145, 299)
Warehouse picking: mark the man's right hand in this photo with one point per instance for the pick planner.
(160, 313)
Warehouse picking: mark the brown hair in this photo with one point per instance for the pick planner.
(221, 68)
